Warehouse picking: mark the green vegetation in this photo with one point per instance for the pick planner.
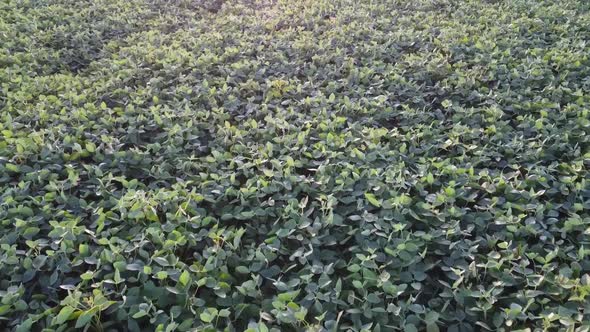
(181, 165)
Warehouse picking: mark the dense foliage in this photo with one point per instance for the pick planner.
(178, 165)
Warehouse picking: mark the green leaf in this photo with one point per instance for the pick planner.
(429, 178)
(224, 313)
(262, 327)
(25, 326)
(63, 315)
(184, 278)
(206, 317)
(431, 317)
(4, 309)
(83, 249)
(410, 328)
(12, 167)
(85, 317)
(242, 269)
(432, 327)
(139, 314)
(372, 199)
